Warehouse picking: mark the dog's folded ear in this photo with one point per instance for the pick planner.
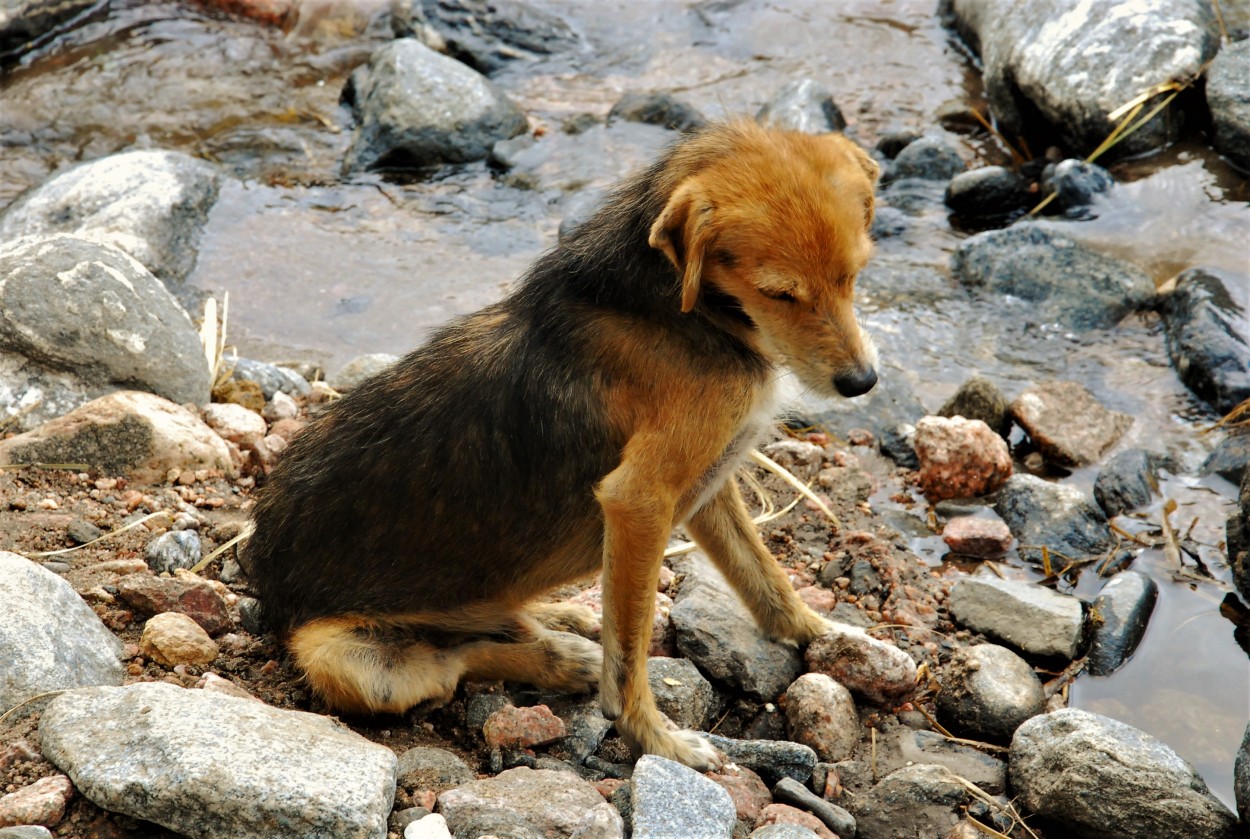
(682, 232)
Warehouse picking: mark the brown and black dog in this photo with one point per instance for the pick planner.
(404, 536)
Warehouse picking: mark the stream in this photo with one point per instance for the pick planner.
(319, 268)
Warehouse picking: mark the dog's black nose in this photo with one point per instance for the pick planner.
(856, 383)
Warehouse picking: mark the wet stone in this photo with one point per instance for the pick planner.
(670, 800)
(1128, 481)
(922, 800)
(173, 550)
(1056, 516)
(1228, 96)
(657, 109)
(987, 691)
(681, 692)
(979, 399)
(1230, 459)
(772, 760)
(790, 791)
(802, 105)
(1067, 424)
(1029, 617)
(977, 536)
(989, 192)
(821, 714)
(1118, 617)
(24, 22)
(1075, 184)
(927, 158)
(1207, 326)
(488, 36)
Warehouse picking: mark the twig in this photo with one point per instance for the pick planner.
(108, 535)
(29, 700)
(242, 535)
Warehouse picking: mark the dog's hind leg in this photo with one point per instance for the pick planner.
(723, 529)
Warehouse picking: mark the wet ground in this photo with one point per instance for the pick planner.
(322, 269)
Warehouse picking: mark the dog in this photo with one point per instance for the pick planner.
(402, 540)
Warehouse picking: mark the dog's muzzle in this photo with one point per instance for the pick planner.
(855, 383)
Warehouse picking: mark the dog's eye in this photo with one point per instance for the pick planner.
(725, 258)
(783, 296)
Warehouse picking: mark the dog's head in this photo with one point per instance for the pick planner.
(779, 222)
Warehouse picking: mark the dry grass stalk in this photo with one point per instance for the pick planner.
(242, 536)
(993, 803)
(109, 535)
(785, 475)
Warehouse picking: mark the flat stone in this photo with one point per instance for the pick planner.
(1029, 617)
(987, 692)
(52, 639)
(190, 595)
(491, 35)
(1096, 776)
(520, 728)
(657, 109)
(922, 800)
(40, 803)
(772, 760)
(184, 759)
(671, 800)
(977, 536)
(1055, 516)
(1067, 424)
(431, 768)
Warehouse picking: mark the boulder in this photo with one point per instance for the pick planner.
(802, 105)
(1067, 423)
(51, 638)
(1207, 326)
(1228, 97)
(1053, 278)
(418, 108)
(1097, 777)
(129, 432)
(151, 204)
(185, 759)
(1071, 63)
(79, 319)
(1238, 535)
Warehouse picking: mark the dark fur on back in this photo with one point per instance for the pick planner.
(489, 438)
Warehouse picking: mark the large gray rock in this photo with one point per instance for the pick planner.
(1029, 617)
(150, 204)
(1101, 778)
(915, 802)
(1073, 62)
(1067, 423)
(1207, 324)
(188, 759)
(419, 108)
(50, 637)
(1055, 516)
(23, 21)
(1228, 96)
(490, 34)
(802, 105)
(126, 433)
(555, 803)
(717, 632)
(1053, 278)
(772, 760)
(1128, 481)
(987, 691)
(671, 800)
(1121, 613)
(79, 319)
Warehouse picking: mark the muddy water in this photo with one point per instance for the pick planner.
(321, 269)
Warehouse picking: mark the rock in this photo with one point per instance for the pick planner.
(790, 791)
(989, 192)
(1029, 617)
(915, 801)
(746, 789)
(427, 767)
(772, 760)
(520, 728)
(987, 691)
(603, 821)
(671, 800)
(977, 537)
(554, 803)
(1118, 617)
(802, 105)
(717, 632)
(128, 432)
(418, 108)
(26, 831)
(926, 158)
(1208, 335)
(1098, 777)
(361, 368)
(874, 670)
(188, 595)
(51, 637)
(960, 458)
(980, 399)
(785, 814)
(251, 616)
(899, 444)
(173, 550)
(190, 757)
(1128, 481)
(681, 692)
(1075, 184)
(1068, 65)
(272, 378)
(1067, 424)
(820, 713)
(151, 204)
(432, 826)
(1238, 537)
(502, 823)
(1228, 97)
(969, 763)
(776, 830)
(1241, 776)
(657, 109)
(80, 532)
(1058, 517)
(578, 209)
(490, 35)
(1231, 456)
(235, 423)
(172, 638)
(79, 319)
(802, 458)
(1053, 278)
(585, 724)
(40, 803)
(25, 21)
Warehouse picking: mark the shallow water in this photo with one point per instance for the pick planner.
(320, 269)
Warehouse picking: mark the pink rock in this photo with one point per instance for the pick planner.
(172, 638)
(821, 714)
(42, 802)
(785, 814)
(749, 793)
(511, 727)
(1067, 424)
(975, 536)
(192, 596)
(960, 458)
(872, 669)
(818, 598)
(235, 423)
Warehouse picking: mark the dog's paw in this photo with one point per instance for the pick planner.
(691, 749)
(576, 663)
(568, 617)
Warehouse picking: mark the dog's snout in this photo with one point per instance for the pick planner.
(857, 382)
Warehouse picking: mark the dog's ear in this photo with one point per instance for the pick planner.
(682, 232)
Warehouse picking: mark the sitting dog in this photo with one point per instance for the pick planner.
(404, 536)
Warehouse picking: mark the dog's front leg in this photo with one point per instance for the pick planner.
(724, 530)
(638, 517)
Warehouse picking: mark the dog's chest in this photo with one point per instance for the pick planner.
(758, 422)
